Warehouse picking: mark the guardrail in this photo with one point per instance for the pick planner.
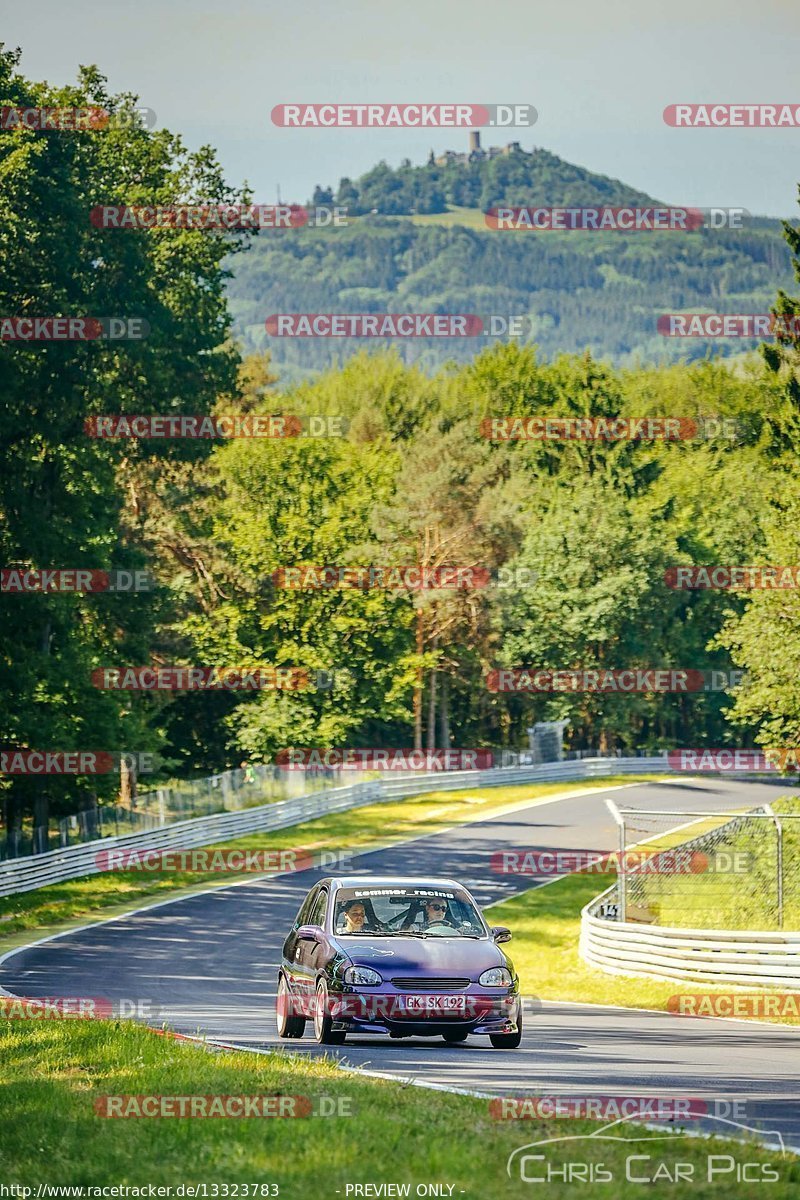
(74, 862)
(761, 957)
(227, 791)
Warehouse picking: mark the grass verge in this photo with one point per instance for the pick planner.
(54, 1074)
(112, 893)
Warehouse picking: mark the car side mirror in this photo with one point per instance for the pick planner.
(501, 934)
(309, 933)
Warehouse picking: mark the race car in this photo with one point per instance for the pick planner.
(399, 956)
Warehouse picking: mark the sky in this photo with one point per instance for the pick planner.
(599, 73)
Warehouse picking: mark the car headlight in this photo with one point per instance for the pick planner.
(496, 977)
(364, 975)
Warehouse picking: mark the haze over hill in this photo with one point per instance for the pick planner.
(417, 241)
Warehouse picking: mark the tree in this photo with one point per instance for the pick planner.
(765, 639)
(60, 500)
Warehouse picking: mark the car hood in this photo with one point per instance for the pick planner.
(424, 956)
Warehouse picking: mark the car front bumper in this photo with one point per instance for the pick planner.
(485, 1012)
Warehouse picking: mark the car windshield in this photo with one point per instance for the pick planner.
(410, 911)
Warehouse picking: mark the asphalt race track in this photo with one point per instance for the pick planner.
(207, 964)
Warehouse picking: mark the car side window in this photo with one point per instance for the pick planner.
(304, 915)
(318, 911)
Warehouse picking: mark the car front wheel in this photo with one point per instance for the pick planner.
(324, 1032)
(453, 1036)
(508, 1041)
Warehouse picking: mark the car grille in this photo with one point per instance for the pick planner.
(417, 983)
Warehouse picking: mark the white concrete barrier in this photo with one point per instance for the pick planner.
(749, 957)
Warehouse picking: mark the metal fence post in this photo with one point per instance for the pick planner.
(620, 820)
(779, 864)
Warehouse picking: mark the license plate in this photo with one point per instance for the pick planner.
(437, 1003)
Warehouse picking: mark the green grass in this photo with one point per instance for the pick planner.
(546, 928)
(54, 1072)
(470, 218)
(112, 893)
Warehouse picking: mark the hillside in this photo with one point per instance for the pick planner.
(500, 175)
(419, 243)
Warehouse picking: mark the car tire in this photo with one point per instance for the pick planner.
(289, 1024)
(508, 1041)
(454, 1036)
(323, 1031)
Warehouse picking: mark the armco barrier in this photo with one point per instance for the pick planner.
(55, 866)
(744, 957)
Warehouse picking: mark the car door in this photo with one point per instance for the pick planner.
(292, 947)
(310, 944)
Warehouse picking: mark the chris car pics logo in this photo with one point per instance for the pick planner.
(646, 1157)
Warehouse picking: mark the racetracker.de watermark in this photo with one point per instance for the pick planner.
(222, 425)
(727, 325)
(764, 1005)
(402, 116)
(55, 1008)
(771, 759)
(204, 860)
(620, 680)
(71, 120)
(732, 116)
(73, 329)
(383, 759)
(65, 1008)
(605, 429)
(215, 217)
(679, 861)
(18, 761)
(611, 1108)
(120, 1008)
(730, 578)
(73, 579)
(605, 219)
(203, 679)
(409, 578)
(196, 1106)
(396, 325)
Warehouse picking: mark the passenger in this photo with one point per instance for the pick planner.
(353, 918)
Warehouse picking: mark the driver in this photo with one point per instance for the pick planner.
(435, 913)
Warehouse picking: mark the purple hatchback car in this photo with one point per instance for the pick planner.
(407, 957)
